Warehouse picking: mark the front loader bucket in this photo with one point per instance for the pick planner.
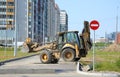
(28, 46)
(25, 49)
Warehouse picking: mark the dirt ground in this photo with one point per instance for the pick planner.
(112, 47)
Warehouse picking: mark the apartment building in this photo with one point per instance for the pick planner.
(63, 21)
(57, 19)
(35, 19)
(6, 21)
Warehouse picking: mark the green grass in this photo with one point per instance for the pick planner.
(8, 53)
(104, 61)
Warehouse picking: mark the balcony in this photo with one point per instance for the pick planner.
(9, 26)
(9, 13)
(10, 0)
(10, 7)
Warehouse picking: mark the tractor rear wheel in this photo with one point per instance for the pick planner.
(68, 54)
(46, 56)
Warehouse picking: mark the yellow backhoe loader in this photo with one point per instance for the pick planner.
(70, 46)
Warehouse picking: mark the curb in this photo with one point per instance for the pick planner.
(14, 59)
(96, 74)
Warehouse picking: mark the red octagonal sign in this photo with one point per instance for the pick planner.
(94, 25)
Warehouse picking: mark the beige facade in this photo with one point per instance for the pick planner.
(7, 14)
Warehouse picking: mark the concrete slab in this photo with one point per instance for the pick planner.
(36, 68)
(26, 71)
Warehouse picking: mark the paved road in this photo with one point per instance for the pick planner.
(33, 68)
(29, 61)
(68, 74)
(33, 65)
(34, 62)
(65, 74)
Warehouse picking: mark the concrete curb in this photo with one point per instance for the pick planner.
(14, 59)
(95, 74)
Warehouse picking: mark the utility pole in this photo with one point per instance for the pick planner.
(5, 20)
(15, 27)
(32, 20)
(43, 24)
(116, 26)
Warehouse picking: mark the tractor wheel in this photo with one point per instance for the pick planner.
(68, 55)
(45, 56)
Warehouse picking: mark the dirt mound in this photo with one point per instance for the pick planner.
(112, 47)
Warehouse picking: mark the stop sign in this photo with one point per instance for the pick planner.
(94, 25)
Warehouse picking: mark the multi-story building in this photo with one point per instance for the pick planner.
(40, 16)
(35, 19)
(57, 19)
(111, 37)
(39, 20)
(118, 38)
(50, 19)
(101, 40)
(6, 14)
(6, 21)
(63, 21)
(22, 20)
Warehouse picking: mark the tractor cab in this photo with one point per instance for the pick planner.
(70, 37)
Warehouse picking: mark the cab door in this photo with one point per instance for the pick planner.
(61, 40)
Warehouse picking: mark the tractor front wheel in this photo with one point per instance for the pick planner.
(45, 56)
(68, 54)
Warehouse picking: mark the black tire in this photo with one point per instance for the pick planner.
(55, 61)
(68, 55)
(83, 53)
(46, 56)
(77, 59)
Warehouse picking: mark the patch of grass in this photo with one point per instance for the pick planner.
(104, 61)
(118, 63)
(8, 53)
(106, 66)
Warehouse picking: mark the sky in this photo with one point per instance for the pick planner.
(104, 11)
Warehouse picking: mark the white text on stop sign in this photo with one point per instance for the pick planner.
(94, 25)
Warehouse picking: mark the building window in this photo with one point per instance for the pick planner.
(2, 9)
(2, 3)
(10, 16)
(2, 16)
(10, 10)
(9, 22)
(29, 22)
(3, 22)
(10, 3)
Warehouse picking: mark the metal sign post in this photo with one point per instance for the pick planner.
(94, 25)
(94, 52)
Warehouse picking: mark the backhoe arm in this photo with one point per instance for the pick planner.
(85, 37)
